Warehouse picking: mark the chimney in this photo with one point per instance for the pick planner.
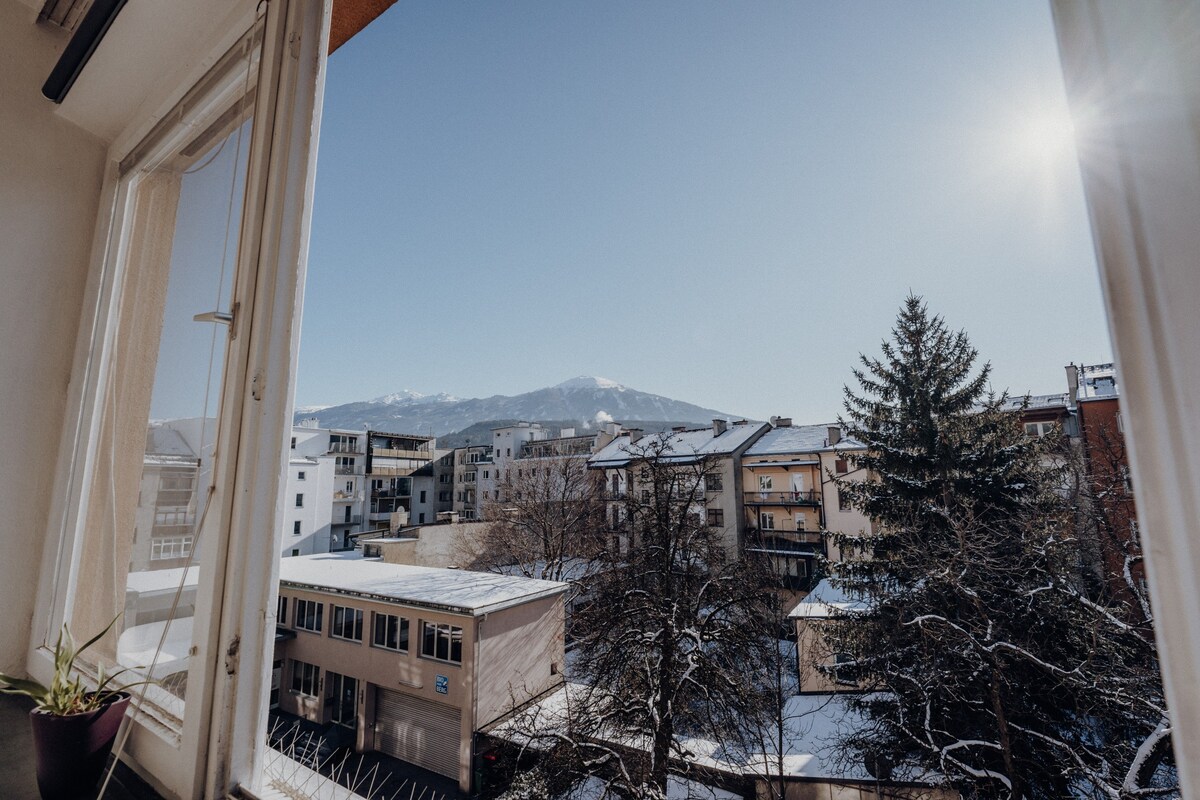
(1072, 385)
(719, 427)
(835, 434)
(634, 434)
(781, 422)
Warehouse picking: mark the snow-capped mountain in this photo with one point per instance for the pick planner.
(407, 397)
(586, 401)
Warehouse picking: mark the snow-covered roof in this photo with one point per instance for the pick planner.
(814, 725)
(463, 591)
(800, 439)
(1036, 401)
(161, 580)
(1097, 381)
(164, 441)
(678, 788)
(681, 446)
(824, 600)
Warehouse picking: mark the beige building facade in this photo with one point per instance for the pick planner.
(414, 660)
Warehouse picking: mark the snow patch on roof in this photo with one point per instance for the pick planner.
(824, 600)
(470, 592)
(680, 446)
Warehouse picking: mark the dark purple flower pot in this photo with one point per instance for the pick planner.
(72, 750)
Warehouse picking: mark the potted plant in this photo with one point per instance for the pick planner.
(73, 726)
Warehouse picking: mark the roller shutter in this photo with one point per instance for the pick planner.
(418, 731)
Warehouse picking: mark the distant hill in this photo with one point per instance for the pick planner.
(582, 403)
(481, 432)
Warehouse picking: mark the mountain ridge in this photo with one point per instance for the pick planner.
(584, 401)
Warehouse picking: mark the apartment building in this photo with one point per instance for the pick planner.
(169, 499)
(325, 497)
(391, 460)
(1095, 398)
(718, 449)
(414, 660)
(433, 489)
(473, 477)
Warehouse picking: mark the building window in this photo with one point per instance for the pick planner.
(295, 551)
(309, 613)
(801, 522)
(293, 442)
(296, 528)
(469, 476)
(442, 642)
(843, 501)
(300, 475)
(389, 632)
(840, 466)
(443, 497)
(716, 518)
(306, 678)
(765, 483)
(645, 495)
(281, 610)
(300, 500)
(443, 478)
(347, 623)
(169, 547)
(422, 500)
(766, 520)
(712, 482)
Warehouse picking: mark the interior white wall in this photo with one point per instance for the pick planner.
(50, 182)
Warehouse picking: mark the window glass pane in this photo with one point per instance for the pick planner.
(154, 486)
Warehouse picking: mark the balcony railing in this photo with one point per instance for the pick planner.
(344, 497)
(348, 469)
(775, 539)
(812, 498)
(355, 519)
(391, 452)
(344, 447)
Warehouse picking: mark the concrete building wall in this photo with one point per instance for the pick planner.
(52, 173)
(520, 656)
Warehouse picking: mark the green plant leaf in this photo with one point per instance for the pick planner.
(29, 688)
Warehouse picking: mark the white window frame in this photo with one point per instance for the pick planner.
(766, 483)
(308, 615)
(341, 617)
(218, 744)
(402, 627)
(442, 629)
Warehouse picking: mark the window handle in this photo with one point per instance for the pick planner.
(221, 318)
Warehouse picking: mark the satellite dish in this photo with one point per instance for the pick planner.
(879, 765)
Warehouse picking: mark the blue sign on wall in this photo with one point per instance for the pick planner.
(442, 684)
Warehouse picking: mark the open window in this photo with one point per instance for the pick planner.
(173, 452)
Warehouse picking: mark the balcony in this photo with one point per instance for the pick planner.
(351, 469)
(345, 447)
(812, 498)
(770, 539)
(347, 497)
(355, 519)
(389, 452)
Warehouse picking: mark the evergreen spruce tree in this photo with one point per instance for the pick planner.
(988, 663)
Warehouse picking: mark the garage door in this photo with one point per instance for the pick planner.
(418, 731)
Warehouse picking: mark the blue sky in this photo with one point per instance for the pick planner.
(720, 202)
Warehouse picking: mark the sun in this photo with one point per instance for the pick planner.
(1043, 137)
